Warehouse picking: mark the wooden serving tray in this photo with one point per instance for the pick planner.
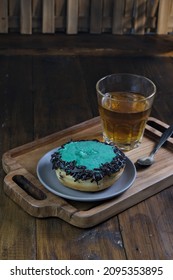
(22, 185)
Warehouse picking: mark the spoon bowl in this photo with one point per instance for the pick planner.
(146, 161)
(149, 160)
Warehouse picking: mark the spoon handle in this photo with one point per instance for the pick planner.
(167, 133)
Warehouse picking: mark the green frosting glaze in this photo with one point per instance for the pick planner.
(90, 154)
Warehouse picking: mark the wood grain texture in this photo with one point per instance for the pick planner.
(16, 99)
(72, 16)
(48, 19)
(26, 17)
(150, 240)
(60, 15)
(86, 45)
(140, 17)
(60, 245)
(69, 88)
(96, 16)
(163, 16)
(3, 16)
(84, 16)
(118, 17)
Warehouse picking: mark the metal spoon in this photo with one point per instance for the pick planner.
(147, 161)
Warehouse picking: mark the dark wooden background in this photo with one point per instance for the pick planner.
(47, 83)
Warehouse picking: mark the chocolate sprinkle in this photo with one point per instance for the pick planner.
(82, 173)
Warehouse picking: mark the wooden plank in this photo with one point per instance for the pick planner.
(163, 16)
(72, 16)
(88, 45)
(36, 16)
(118, 17)
(140, 17)
(36, 13)
(57, 70)
(103, 244)
(84, 8)
(152, 227)
(60, 6)
(26, 16)
(107, 7)
(48, 20)
(96, 16)
(3, 16)
(4, 113)
(152, 7)
(128, 16)
(170, 21)
(14, 7)
(20, 87)
(16, 117)
(84, 15)
(107, 16)
(14, 15)
(60, 15)
(37, 8)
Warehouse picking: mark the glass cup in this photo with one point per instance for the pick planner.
(125, 102)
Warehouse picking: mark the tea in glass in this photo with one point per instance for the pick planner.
(125, 102)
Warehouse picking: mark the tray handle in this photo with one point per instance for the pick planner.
(29, 187)
(26, 190)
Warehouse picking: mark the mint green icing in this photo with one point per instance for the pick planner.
(88, 153)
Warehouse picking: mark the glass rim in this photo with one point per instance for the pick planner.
(126, 74)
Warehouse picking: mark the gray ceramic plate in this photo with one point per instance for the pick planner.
(48, 178)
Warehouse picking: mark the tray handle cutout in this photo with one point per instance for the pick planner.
(29, 187)
(157, 126)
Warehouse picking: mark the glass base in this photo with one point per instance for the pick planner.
(123, 146)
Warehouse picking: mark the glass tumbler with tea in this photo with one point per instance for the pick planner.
(125, 102)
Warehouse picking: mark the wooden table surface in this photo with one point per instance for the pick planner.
(47, 83)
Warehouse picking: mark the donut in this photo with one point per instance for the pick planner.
(88, 165)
